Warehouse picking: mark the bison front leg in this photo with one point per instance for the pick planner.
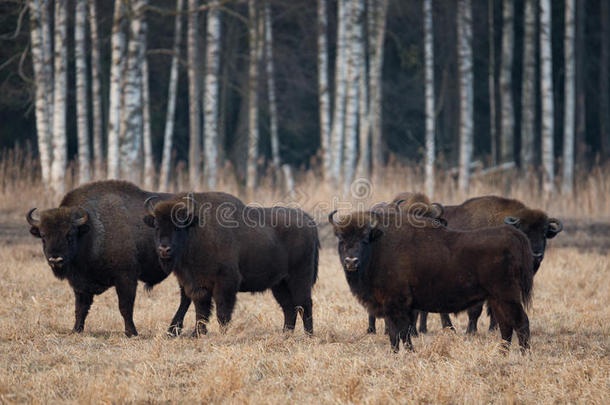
(83, 302)
(225, 297)
(474, 312)
(372, 328)
(281, 293)
(126, 291)
(203, 308)
(502, 311)
(423, 322)
(175, 327)
(446, 322)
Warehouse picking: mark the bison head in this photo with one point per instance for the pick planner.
(61, 230)
(355, 233)
(418, 205)
(171, 221)
(538, 228)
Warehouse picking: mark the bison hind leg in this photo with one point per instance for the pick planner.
(372, 328)
(283, 297)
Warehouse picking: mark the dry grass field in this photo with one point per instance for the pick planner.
(254, 362)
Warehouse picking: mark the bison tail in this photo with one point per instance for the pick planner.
(316, 256)
(526, 278)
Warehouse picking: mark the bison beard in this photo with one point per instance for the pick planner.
(398, 273)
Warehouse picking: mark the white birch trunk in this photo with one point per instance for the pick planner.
(58, 167)
(376, 86)
(430, 105)
(149, 166)
(48, 67)
(96, 92)
(506, 86)
(43, 128)
(275, 141)
(82, 102)
(338, 124)
(131, 114)
(194, 94)
(464, 33)
(354, 59)
(255, 55)
(546, 71)
(210, 105)
(528, 93)
(171, 101)
(570, 98)
(364, 129)
(492, 85)
(323, 91)
(114, 110)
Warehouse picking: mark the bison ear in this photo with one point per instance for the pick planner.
(555, 226)
(34, 230)
(375, 234)
(149, 220)
(514, 221)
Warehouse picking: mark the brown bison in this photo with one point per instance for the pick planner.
(416, 205)
(394, 267)
(490, 211)
(216, 246)
(95, 239)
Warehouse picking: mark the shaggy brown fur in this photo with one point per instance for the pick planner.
(393, 269)
(95, 239)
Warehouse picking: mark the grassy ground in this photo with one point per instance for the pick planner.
(254, 362)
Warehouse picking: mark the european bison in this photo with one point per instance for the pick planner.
(490, 211)
(394, 267)
(95, 239)
(216, 246)
(417, 205)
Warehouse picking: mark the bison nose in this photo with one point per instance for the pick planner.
(56, 261)
(538, 255)
(351, 263)
(165, 252)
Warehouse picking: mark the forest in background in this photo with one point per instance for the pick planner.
(486, 110)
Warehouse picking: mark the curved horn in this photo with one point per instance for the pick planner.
(437, 209)
(511, 220)
(556, 224)
(149, 206)
(397, 203)
(82, 220)
(31, 220)
(331, 219)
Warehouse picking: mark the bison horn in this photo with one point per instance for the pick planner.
(31, 220)
(81, 220)
(437, 210)
(397, 203)
(511, 220)
(556, 225)
(331, 218)
(150, 208)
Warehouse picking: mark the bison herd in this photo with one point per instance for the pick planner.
(401, 259)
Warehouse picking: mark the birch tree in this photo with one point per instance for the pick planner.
(464, 34)
(506, 85)
(430, 105)
(210, 104)
(82, 102)
(569, 96)
(194, 118)
(546, 94)
(354, 61)
(149, 166)
(364, 127)
(168, 134)
(96, 91)
(493, 133)
(323, 91)
(255, 42)
(528, 94)
(58, 167)
(275, 141)
(116, 70)
(43, 127)
(604, 102)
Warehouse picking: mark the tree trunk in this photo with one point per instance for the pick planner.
(376, 85)
(528, 93)
(493, 133)
(171, 101)
(569, 96)
(581, 80)
(429, 105)
(338, 124)
(149, 165)
(506, 86)
(42, 115)
(58, 167)
(194, 117)
(354, 60)
(275, 140)
(364, 129)
(464, 33)
(82, 104)
(604, 102)
(131, 114)
(546, 92)
(114, 111)
(255, 42)
(96, 92)
(323, 91)
(210, 105)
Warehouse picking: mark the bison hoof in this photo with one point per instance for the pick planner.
(131, 333)
(423, 330)
(77, 329)
(371, 330)
(174, 331)
(199, 332)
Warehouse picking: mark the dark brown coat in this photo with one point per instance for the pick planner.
(394, 267)
(95, 240)
(216, 246)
